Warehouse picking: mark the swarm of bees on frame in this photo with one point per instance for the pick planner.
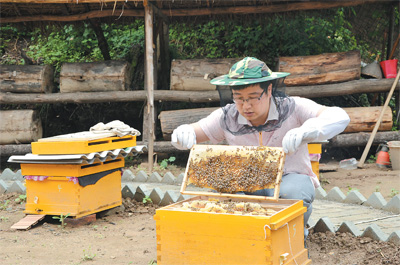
(228, 207)
(230, 173)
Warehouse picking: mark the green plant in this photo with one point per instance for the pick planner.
(351, 189)
(4, 205)
(3, 218)
(147, 199)
(21, 199)
(165, 162)
(393, 192)
(377, 188)
(62, 218)
(152, 262)
(87, 255)
(371, 159)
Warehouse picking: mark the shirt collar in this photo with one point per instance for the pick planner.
(272, 114)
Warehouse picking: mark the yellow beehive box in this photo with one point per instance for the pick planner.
(65, 195)
(225, 227)
(315, 149)
(71, 170)
(80, 143)
(195, 237)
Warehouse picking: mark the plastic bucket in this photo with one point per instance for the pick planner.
(389, 68)
(394, 151)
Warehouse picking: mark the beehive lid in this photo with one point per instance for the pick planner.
(231, 169)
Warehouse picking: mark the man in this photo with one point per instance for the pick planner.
(264, 115)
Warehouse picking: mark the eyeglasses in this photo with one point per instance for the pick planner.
(251, 101)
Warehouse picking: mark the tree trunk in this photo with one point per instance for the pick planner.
(196, 74)
(95, 76)
(361, 139)
(19, 126)
(363, 119)
(26, 78)
(321, 69)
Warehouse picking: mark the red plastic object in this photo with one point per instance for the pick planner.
(389, 68)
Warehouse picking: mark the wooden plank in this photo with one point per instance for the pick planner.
(28, 221)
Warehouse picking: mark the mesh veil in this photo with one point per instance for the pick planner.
(284, 105)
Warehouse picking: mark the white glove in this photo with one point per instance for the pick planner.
(183, 137)
(330, 122)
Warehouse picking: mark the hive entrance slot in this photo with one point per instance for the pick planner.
(121, 140)
(96, 143)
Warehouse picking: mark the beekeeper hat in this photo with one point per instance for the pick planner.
(249, 70)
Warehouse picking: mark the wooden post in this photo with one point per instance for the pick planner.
(149, 80)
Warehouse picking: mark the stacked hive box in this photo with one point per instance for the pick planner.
(315, 150)
(189, 235)
(76, 189)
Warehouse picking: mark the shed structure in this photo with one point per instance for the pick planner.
(157, 15)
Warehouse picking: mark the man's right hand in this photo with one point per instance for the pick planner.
(183, 137)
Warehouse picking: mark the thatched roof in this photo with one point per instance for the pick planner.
(14, 11)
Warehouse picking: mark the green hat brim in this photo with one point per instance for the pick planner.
(224, 80)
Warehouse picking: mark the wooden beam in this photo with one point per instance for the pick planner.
(347, 88)
(275, 8)
(61, 1)
(77, 17)
(149, 80)
(238, 10)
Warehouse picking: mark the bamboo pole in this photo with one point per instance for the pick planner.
(371, 138)
(149, 80)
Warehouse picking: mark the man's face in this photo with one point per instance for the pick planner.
(252, 103)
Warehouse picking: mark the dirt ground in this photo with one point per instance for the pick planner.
(129, 235)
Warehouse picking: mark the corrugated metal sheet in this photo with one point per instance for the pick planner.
(78, 158)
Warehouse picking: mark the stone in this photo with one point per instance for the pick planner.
(3, 186)
(335, 194)
(7, 174)
(376, 200)
(154, 178)
(373, 231)
(17, 187)
(180, 178)
(393, 205)
(394, 238)
(141, 176)
(320, 193)
(129, 190)
(127, 176)
(76, 222)
(355, 197)
(349, 227)
(18, 176)
(156, 195)
(169, 197)
(142, 192)
(324, 225)
(168, 178)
